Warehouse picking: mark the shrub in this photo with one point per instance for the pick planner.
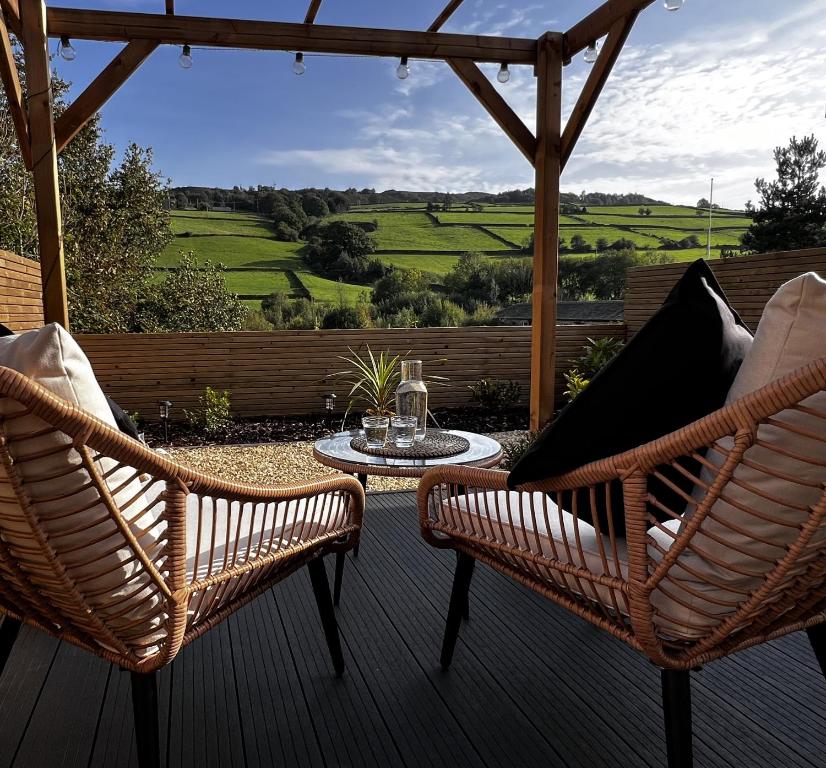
(496, 394)
(514, 449)
(598, 353)
(213, 415)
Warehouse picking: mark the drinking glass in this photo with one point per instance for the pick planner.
(404, 428)
(375, 430)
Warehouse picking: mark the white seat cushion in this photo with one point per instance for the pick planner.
(533, 523)
(759, 513)
(92, 554)
(234, 534)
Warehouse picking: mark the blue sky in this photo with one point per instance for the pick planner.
(709, 90)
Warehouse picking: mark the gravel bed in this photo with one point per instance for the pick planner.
(280, 463)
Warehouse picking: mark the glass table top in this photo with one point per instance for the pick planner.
(483, 450)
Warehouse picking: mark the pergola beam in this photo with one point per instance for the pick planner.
(100, 90)
(597, 24)
(11, 9)
(312, 11)
(596, 82)
(44, 162)
(497, 107)
(116, 26)
(445, 14)
(14, 94)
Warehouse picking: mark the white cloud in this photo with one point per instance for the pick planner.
(714, 101)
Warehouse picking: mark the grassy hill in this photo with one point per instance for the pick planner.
(408, 236)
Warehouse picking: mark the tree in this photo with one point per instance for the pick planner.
(703, 204)
(791, 212)
(192, 297)
(602, 244)
(579, 244)
(472, 281)
(313, 205)
(114, 219)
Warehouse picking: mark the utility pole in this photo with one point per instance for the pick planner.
(710, 215)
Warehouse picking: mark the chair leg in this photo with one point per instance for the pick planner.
(458, 605)
(817, 637)
(321, 588)
(145, 708)
(677, 709)
(8, 634)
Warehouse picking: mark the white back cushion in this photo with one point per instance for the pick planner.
(100, 567)
(759, 513)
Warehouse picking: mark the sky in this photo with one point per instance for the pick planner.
(706, 91)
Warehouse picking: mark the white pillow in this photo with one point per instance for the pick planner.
(758, 515)
(93, 555)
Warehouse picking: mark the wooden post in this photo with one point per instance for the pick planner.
(546, 227)
(44, 161)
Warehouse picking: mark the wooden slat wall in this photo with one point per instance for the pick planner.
(749, 282)
(21, 301)
(287, 372)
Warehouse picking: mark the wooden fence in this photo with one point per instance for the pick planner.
(287, 372)
(21, 302)
(749, 282)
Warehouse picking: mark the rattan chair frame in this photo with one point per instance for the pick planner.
(790, 596)
(244, 577)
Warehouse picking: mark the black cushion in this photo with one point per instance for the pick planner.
(677, 369)
(123, 419)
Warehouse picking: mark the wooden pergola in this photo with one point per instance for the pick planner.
(42, 137)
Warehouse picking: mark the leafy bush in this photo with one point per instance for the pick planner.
(598, 353)
(214, 414)
(514, 449)
(496, 394)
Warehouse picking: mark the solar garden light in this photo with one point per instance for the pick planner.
(329, 405)
(164, 406)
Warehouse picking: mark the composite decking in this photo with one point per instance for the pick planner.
(530, 684)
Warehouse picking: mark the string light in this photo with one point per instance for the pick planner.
(673, 5)
(66, 50)
(504, 73)
(403, 70)
(185, 59)
(299, 67)
(591, 53)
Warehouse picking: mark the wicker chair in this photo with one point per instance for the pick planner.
(149, 575)
(659, 589)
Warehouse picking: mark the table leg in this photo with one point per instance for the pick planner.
(363, 480)
(341, 557)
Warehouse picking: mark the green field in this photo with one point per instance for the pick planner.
(415, 231)
(258, 264)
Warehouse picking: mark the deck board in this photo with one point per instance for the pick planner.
(530, 684)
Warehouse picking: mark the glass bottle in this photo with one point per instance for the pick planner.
(411, 395)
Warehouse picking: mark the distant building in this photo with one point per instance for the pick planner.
(567, 313)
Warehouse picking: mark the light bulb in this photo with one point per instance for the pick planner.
(504, 74)
(298, 65)
(185, 59)
(673, 5)
(403, 70)
(591, 53)
(65, 49)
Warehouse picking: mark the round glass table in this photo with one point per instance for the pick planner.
(335, 451)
